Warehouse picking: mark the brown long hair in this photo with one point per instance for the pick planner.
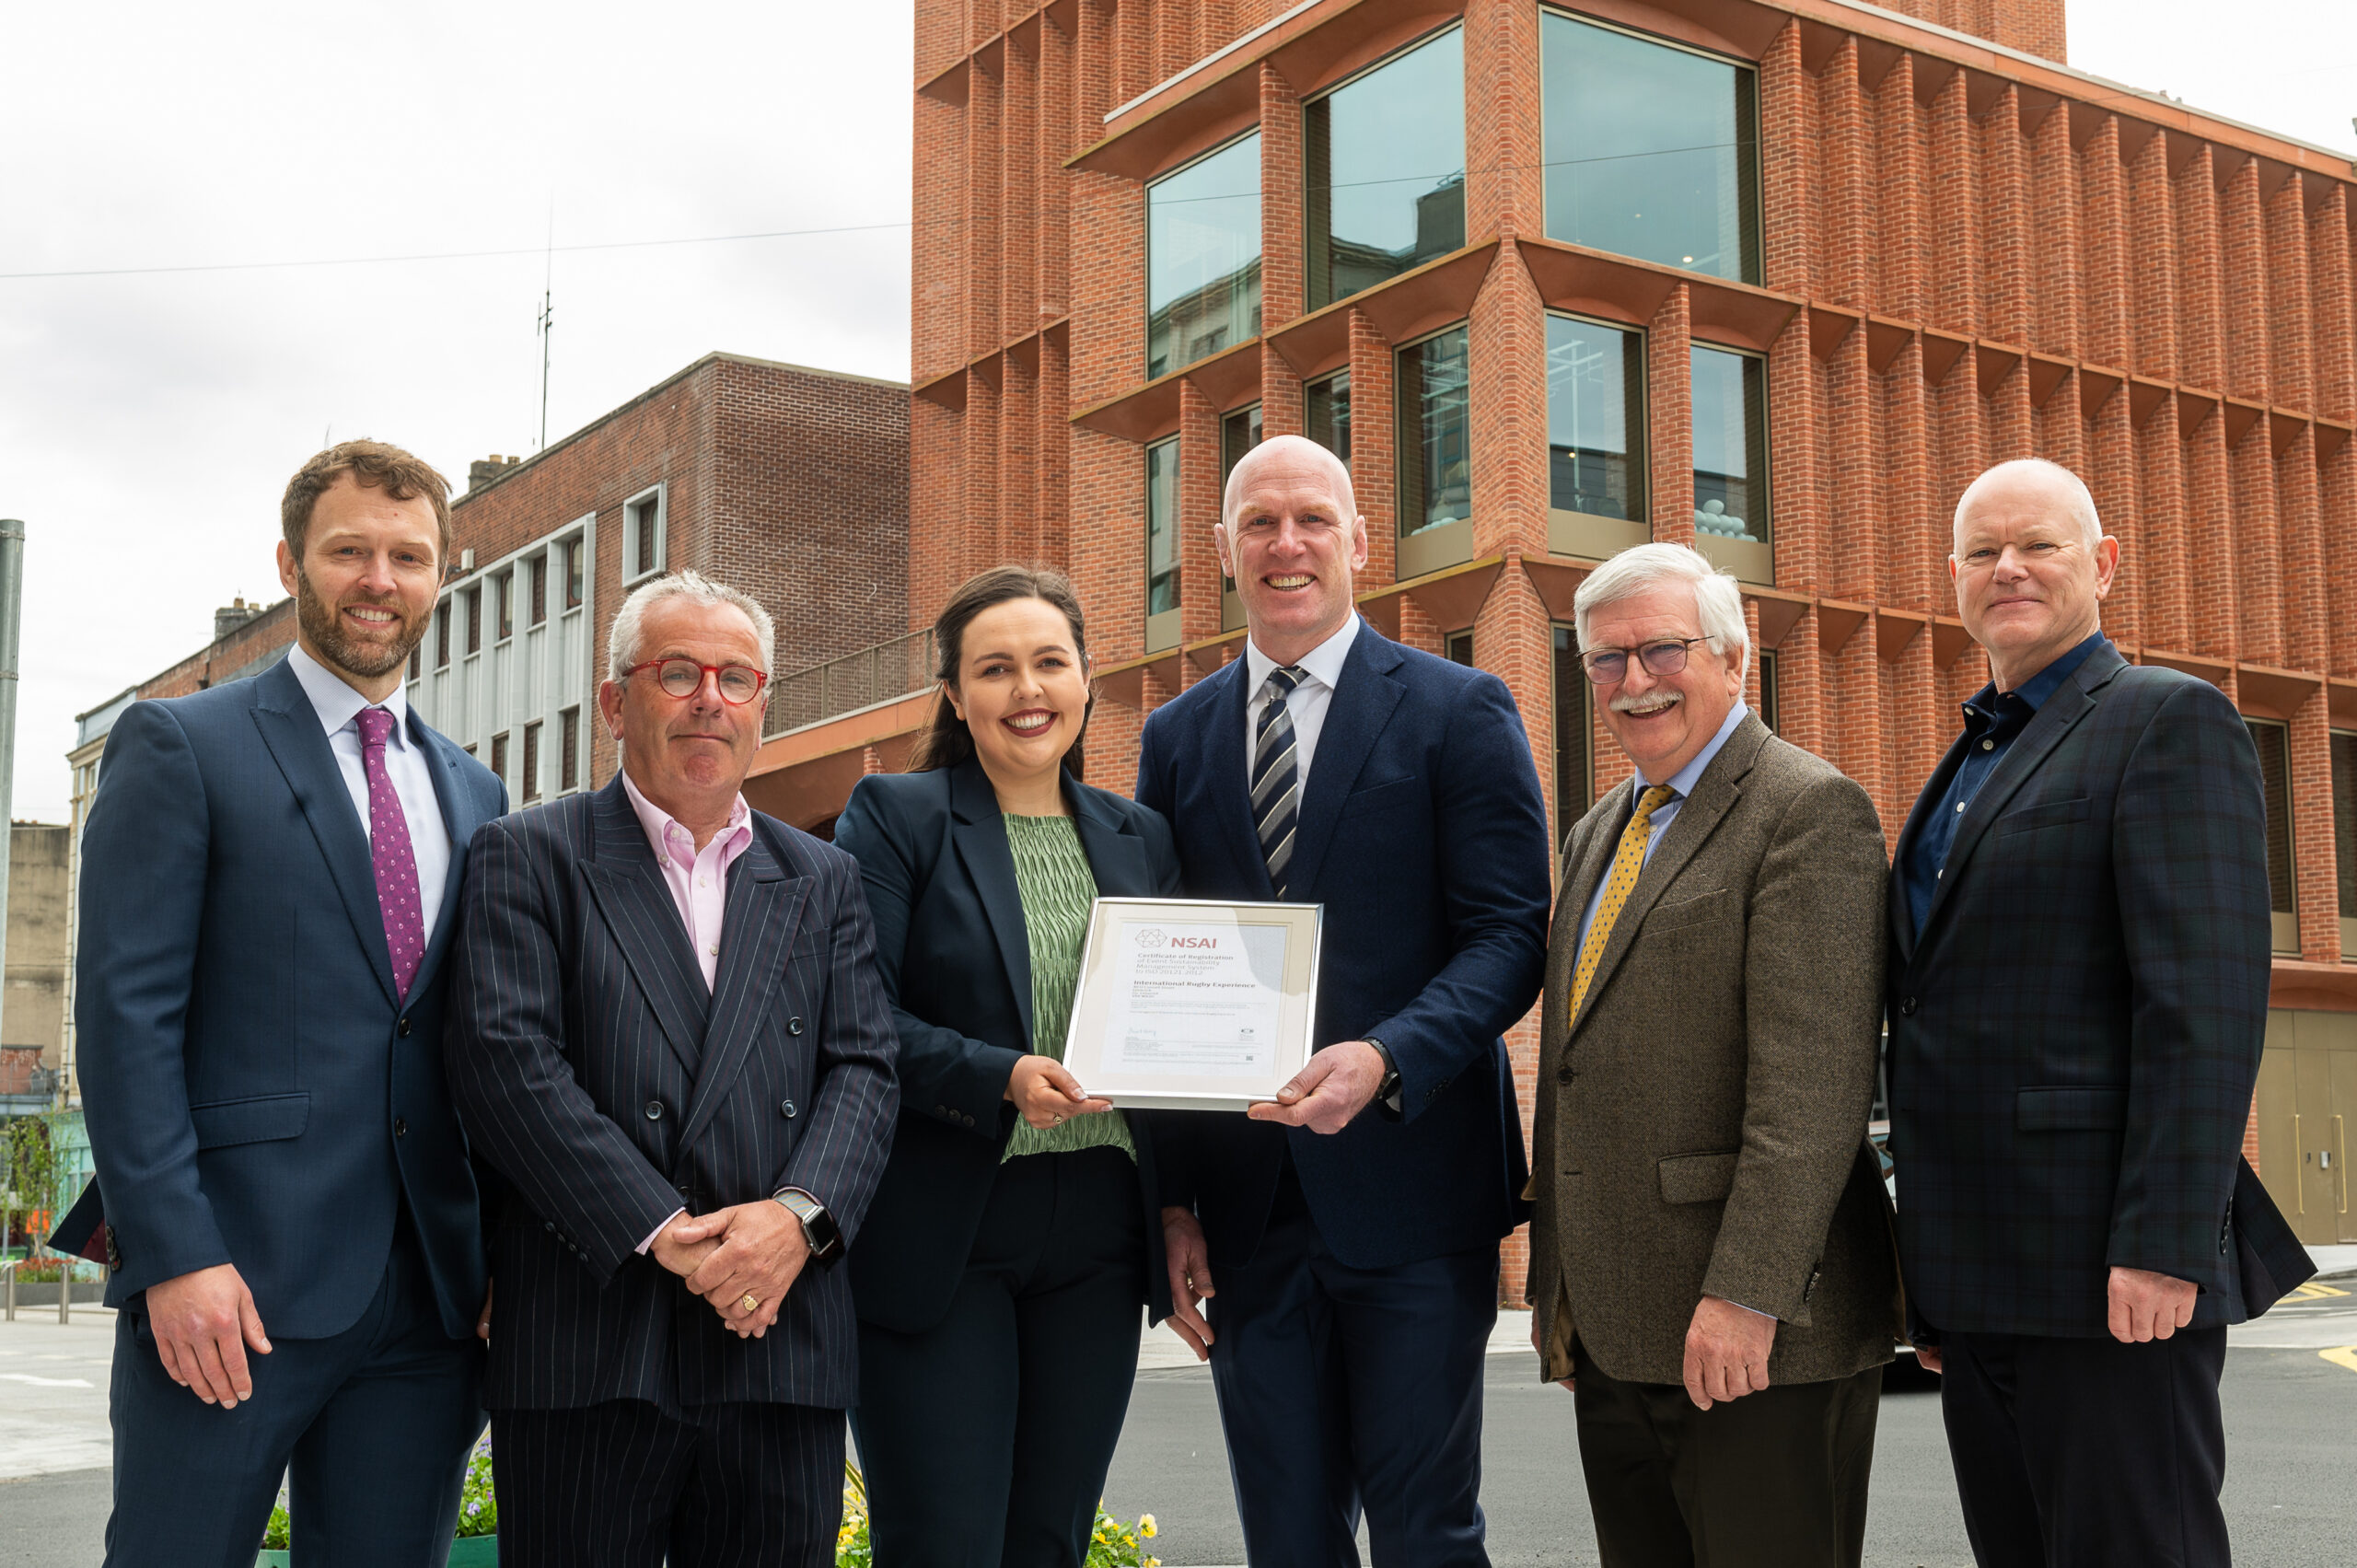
(947, 741)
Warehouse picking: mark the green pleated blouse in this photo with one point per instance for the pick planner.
(1053, 874)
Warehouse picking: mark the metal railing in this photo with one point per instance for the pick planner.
(895, 667)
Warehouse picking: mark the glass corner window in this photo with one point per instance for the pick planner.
(1730, 446)
(1202, 248)
(1384, 184)
(1435, 434)
(1327, 405)
(1652, 150)
(1595, 377)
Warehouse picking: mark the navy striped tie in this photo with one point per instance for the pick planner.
(1276, 776)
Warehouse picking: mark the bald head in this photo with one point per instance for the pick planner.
(1291, 537)
(1295, 457)
(2036, 483)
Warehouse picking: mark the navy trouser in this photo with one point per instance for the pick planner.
(375, 1426)
(2072, 1453)
(1342, 1389)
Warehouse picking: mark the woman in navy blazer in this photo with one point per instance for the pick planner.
(1017, 1229)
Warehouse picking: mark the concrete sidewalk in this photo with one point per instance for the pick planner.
(53, 1380)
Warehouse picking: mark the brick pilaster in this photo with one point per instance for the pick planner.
(2104, 194)
(1508, 337)
(2245, 283)
(1374, 463)
(1669, 398)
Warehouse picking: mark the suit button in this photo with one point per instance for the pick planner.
(794, 1025)
(785, 1109)
(1906, 1007)
(654, 1110)
(401, 1128)
(1564, 1075)
(402, 1028)
(685, 1193)
(548, 1225)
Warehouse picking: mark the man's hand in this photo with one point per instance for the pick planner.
(1537, 1344)
(1189, 1263)
(674, 1248)
(1928, 1358)
(483, 1319)
(1726, 1351)
(203, 1323)
(2146, 1305)
(759, 1253)
(1331, 1087)
(1046, 1094)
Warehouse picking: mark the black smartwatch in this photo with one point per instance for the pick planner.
(1388, 1093)
(818, 1227)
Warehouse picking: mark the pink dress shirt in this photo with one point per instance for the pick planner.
(699, 884)
(698, 878)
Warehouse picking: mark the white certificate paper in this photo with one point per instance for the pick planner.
(1192, 1004)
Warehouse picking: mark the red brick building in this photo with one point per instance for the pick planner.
(1775, 277)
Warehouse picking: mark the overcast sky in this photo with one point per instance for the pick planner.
(148, 422)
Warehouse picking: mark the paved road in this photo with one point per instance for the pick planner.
(2291, 1493)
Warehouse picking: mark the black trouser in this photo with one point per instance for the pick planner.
(985, 1439)
(1776, 1479)
(622, 1484)
(372, 1428)
(2075, 1452)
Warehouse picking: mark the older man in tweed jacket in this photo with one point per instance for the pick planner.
(2078, 994)
(1712, 1254)
(673, 1044)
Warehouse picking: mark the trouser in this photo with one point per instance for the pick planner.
(2071, 1453)
(984, 1440)
(626, 1484)
(1344, 1389)
(1776, 1479)
(371, 1427)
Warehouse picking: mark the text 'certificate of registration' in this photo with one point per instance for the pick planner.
(1190, 1005)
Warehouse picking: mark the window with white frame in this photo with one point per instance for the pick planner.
(643, 530)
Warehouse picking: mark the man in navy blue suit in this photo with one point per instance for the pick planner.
(270, 874)
(1354, 1226)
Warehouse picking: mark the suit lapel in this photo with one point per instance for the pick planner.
(1715, 796)
(629, 889)
(1355, 716)
(2055, 718)
(290, 728)
(756, 934)
(1902, 920)
(459, 820)
(1116, 856)
(979, 831)
(1592, 862)
(1227, 776)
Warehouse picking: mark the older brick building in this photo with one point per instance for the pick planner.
(1776, 277)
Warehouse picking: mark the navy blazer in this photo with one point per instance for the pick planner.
(1423, 833)
(2076, 1032)
(956, 958)
(611, 1088)
(256, 1092)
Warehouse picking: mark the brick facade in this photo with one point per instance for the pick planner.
(1969, 255)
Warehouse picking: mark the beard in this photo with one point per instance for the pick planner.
(324, 624)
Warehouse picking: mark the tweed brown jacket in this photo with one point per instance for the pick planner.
(1702, 1124)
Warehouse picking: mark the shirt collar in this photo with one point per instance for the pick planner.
(336, 702)
(2032, 694)
(1685, 778)
(1323, 663)
(669, 838)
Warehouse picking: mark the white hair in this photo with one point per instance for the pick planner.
(2076, 499)
(1718, 601)
(623, 642)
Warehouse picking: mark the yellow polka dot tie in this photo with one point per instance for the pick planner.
(1627, 862)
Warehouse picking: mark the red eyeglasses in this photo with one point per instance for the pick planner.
(739, 683)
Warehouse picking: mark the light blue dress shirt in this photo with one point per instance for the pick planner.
(1683, 782)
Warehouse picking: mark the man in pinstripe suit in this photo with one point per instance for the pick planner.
(670, 1036)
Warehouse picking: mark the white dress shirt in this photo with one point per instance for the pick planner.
(407, 767)
(1321, 671)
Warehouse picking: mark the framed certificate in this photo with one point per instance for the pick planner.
(1193, 1004)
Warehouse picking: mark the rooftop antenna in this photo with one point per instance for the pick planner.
(548, 318)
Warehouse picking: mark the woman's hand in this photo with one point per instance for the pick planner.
(1047, 1095)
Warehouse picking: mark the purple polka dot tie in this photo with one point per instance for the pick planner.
(389, 849)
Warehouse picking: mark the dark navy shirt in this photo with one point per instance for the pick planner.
(1992, 720)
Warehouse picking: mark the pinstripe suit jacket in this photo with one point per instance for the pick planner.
(2075, 1031)
(596, 1072)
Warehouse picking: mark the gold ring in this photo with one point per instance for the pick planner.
(749, 1302)
(1059, 1120)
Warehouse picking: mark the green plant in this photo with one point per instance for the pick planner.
(477, 1506)
(1113, 1543)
